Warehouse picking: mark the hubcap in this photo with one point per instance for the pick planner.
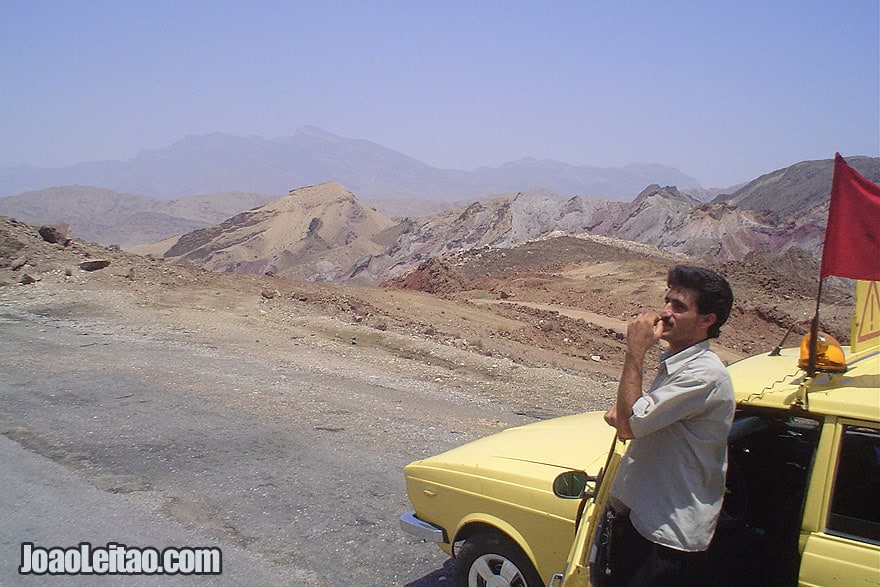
(493, 570)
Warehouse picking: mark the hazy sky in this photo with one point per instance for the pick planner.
(724, 91)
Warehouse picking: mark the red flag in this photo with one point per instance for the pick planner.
(852, 237)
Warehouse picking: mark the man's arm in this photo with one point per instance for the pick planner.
(642, 333)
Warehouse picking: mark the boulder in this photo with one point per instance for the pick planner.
(56, 233)
(94, 265)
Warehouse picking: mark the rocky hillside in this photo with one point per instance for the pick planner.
(671, 221)
(368, 247)
(319, 233)
(315, 246)
(797, 190)
(326, 233)
(559, 303)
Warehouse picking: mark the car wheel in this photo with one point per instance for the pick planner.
(492, 560)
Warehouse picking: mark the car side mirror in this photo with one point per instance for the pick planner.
(574, 485)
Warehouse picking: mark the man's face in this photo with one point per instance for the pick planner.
(683, 325)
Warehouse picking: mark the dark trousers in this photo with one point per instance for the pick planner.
(637, 562)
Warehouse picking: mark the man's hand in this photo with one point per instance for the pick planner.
(611, 416)
(643, 332)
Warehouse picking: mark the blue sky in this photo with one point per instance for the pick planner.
(724, 91)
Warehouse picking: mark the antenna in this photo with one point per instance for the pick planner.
(775, 352)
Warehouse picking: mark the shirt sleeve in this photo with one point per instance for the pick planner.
(683, 395)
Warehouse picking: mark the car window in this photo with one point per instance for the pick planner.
(855, 506)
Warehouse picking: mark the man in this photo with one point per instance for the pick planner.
(667, 494)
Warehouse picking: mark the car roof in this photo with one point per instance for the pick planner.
(774, 382)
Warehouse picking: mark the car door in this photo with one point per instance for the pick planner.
(584, 549)
(844, 549)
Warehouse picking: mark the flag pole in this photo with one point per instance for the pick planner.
(814, 335)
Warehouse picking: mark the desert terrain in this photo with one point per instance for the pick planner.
(554, 303)
(363, 379)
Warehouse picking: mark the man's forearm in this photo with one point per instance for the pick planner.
(642, 333)
(629, 389)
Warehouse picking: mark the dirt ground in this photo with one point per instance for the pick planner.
(504, 315)
(461, 347)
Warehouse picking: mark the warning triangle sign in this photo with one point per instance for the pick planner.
(865, 328)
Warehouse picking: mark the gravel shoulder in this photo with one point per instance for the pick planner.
(252, 422)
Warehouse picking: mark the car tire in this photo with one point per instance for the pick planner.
(496, 558)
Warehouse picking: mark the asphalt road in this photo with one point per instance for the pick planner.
(110, 435)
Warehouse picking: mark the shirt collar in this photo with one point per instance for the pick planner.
(674, 362)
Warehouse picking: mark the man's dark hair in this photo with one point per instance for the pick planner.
(714, 295)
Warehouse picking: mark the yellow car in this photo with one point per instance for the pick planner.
(803, 487)
(494, 498)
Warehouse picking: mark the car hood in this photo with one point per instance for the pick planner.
(541, 450)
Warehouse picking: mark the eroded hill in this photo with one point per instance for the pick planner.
(556, 303)
(324, 233)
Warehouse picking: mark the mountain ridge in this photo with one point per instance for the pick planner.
(797, 188)
(219, 162)
(663, 217)
(728, 228)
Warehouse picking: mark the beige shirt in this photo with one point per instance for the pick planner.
(673, 473)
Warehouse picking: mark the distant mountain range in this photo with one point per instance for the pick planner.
(199, 165)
